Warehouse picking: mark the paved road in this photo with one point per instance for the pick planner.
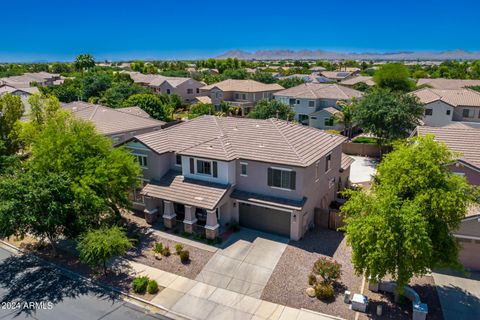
(25, 279)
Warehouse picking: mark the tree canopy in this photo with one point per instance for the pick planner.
(402, 226)
(265, 109)
(388, 115)
(393, 76)
(200, 109)
(11, 110)
(150, 103)
(84, 61)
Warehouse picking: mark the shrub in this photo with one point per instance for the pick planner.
(328, 269)
(139, 284)
(178, 248)
(312, 279)
(166, 251)
(324, 291)
(152, 287)
(158, 247)
(184, 256)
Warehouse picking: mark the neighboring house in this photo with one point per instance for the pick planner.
(186, 88)
(211, 171)
(42, 79)
(447, 84)
(117, 124)
(464, 140)
(444, 106)
(23, 93)
(309, 98)
(337, 76)
(325, 119)
(239, 93)
(317, 69)
(358, 79)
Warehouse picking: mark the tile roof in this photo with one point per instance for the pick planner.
(440, 83)
(156, 80)
(110, 121)
(464, 141)
(365, 79)
(176, 188)
(229, 138)
(336, 74)
(329, 110)
(346, 161)
(136, 111)
(268, 200)
(204, 99)
(10, 89)
(243, 86)
(320, 91)
(454, 97)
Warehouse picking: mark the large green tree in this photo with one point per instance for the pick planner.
(394, 76)
(388, 115)
(403, 225)
(150, 103)
(84, 62)
(265, 109)
(11, 110)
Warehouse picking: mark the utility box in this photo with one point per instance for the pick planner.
(359, 302)
(420, 311)
(347, 296)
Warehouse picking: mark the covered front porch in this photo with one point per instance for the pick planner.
(199, 205)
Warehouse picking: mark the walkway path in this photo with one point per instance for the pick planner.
(197, 300)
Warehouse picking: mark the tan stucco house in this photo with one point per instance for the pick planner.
(269, 175)
(240, 93)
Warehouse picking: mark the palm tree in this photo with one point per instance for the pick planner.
(346, 116)
(84, 61)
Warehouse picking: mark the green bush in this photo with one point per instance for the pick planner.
(139, 284)
(166, 251)
(312, 279)
(328, 269)
(152, 287)
(367, 140)
(324, 291)
(184, 256)
(158, 247)
(178, 248)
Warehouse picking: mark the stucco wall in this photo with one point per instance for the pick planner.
(439, 115)
(472, 176)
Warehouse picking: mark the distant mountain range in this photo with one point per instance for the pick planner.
(332, 55)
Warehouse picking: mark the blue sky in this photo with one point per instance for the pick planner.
(59, 30)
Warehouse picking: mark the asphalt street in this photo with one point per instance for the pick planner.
(33, 290)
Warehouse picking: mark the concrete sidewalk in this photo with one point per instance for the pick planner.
(198, 300)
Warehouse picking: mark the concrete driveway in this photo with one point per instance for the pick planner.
(459, 295)
(245, 264)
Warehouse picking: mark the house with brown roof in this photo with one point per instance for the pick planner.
(442, 106)
(464, 140)
(358, 79)
(337, 76)
(117, 124)
(447, 84)
(239, 93)
(26, 80)
(269, 175)
(186, 88)
(309, 98)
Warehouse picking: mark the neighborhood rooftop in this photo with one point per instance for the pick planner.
(228, 138)
(463, 140)
(457, 97)
(441, 83)
(352, 81)
(243, 86)
(320, 91)
(110, 121)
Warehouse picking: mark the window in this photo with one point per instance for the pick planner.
(448, 112)
(428, 112)
(328, 122)
(243, 169)
(178, 160)
(313, 118)
(198, 90)
(328, 163)
(189, 91)
(281, 178)
(204, 167)
(291, 101)
(297, 102)
(219, 95)
(237, 96)
(311, 103)
(244, 96)
(466, 113)
(323, 103)
(142, 160)
(168, 91)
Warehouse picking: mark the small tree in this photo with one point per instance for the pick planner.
(266, 109)
(97, 247)
(150, 103)
(200, 109)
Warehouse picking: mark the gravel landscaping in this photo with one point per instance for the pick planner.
(289, 281)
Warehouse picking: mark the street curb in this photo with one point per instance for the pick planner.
(74, 275)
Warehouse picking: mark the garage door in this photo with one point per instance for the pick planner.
(265, 219)
(469, 255)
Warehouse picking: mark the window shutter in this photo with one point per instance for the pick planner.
(215, 169)
(293, 178)
(192, 166)
(270, 177)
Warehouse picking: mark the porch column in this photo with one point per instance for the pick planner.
(190, 218)
(151, 210)
(211, 227)
(168, 214)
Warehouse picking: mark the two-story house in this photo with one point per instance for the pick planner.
(442, 107)
(240, 93)
(186, 88)
(269, 175)
(309, 98)
(41, 79)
